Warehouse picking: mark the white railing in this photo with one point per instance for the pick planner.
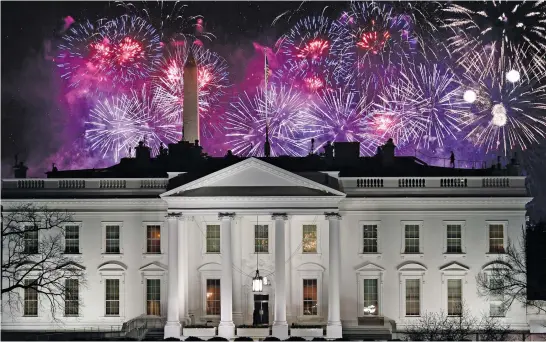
(91, 183)
(370, 183)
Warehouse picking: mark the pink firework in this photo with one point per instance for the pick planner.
(314, 49)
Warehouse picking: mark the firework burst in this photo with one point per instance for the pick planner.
(283, 112)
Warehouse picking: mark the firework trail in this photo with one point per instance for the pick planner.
(340, 115)
(505, 26)
(509, 99)
(212, 84)
(246, 122)
(129, 49)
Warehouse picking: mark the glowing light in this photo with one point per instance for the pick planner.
(512, 76)
(314, 49)
(373, 42)
(498, 109)
(470, 96)
(314, 83)
(499, 120)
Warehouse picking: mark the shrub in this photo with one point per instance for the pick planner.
(319, 339)
(218, 338)
(244, 338)
(198, 326)
(272, 338)
(171, 339)
(295, 338)
(193, 338)
(303, 326)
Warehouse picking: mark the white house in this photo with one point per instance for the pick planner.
(346, 242)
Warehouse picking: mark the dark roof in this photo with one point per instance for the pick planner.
(255, 191)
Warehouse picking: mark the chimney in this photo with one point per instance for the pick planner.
(328, 150)
(142, 152)
(190, 130)
(20, 170)
(514, 168)
(387, 152)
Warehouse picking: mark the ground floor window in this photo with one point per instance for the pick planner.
(454, 297)
(310, 297)
(413, 304)
(112, 297)
(153, 297)
(71, 299)
(371, 297)
(213, 297)
(31, 298)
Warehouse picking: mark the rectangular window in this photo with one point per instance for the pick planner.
(310, 297)
(309, 238)
(71, 239)
(496, 238)
(496, 300)
(411, 238)
(30, 240)
(31, 299)
(454, 238)
(213, 297)
(261, 238)
(371, 297)
(413, 296)
(454, 297)
(153, 239)
(369, 234)
(213, 238)
(153, 297)
(71, 297)
(112, 240)
(112, 297)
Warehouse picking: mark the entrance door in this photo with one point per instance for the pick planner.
(260, 315)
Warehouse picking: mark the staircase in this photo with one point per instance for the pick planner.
(155, 334)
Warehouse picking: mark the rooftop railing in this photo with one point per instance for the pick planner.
(94, 183)
(433, 182)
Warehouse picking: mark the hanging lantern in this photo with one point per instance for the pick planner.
(257, 282)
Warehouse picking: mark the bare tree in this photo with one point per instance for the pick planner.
(34, 259)
(433, 326)
(508, 278)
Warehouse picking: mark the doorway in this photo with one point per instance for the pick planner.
(260, 315)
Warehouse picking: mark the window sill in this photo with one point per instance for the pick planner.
(30, 316)
(112, 255)
(309, 317)
(413, 316)
(370, 255)
(72, 254)
(495, 255)
(153, 255)
(412, 255)
(454, 255)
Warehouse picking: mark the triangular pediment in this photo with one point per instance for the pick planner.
(454, 267)
(369, 267)
(253, 177)
(153, 267)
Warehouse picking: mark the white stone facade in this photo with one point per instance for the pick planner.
(339, 265)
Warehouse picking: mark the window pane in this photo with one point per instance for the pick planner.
(454, 297)
(496, 238)
(310, 297)
(261, 239)
(71, 302)
(369, 233)
(371, 298)
(112, 240)
(153, 239)
(30, 298)
(112, 297)
(213, 297)
(411, 239)
(153, 297)
(72, 240)
(213, 239)
(413, 306)
(454, 239)
(30, 240)
(309, 238)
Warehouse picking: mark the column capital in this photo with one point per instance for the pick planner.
(332, 216)
(173, 216)
(226, 216)
(279, 216)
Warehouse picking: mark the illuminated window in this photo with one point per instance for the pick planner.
(261, 238)
(411, 237)
(310, 297)
(71, 297)
(371, 297)
(213, 297)
(213, 238)
(496, 300)
(153, 239)
(413, 305)
(454, 297)
(112, 297)
(31, 298)
(454, 238)
(71, 239)
(112, 239)
(309, 238)
(153, 297)
(369, 234)
(496, 238)
(30, 240)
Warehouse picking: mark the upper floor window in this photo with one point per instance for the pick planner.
(213, 238)
(411, 238)
(496, 238)
(261, 238)
(30, 240)
(454, 238)
(369, 235)
(71, 239)
(413, 297)
(454, 297)
(213, 297)
(71, 298)
(310, 297)
(153, 297)
(30, 298)
(153, 239)
(112, 240)
(112, 297)
(309, 238)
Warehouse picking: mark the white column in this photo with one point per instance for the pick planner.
(334, 329)
(182, 268)
(172, 327)
(280, 325)
(226, 328)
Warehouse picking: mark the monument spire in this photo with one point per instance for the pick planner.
(190, 114)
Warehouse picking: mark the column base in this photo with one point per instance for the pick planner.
(334, 330)
(172, 329)
(280, 330)
(226, 329)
